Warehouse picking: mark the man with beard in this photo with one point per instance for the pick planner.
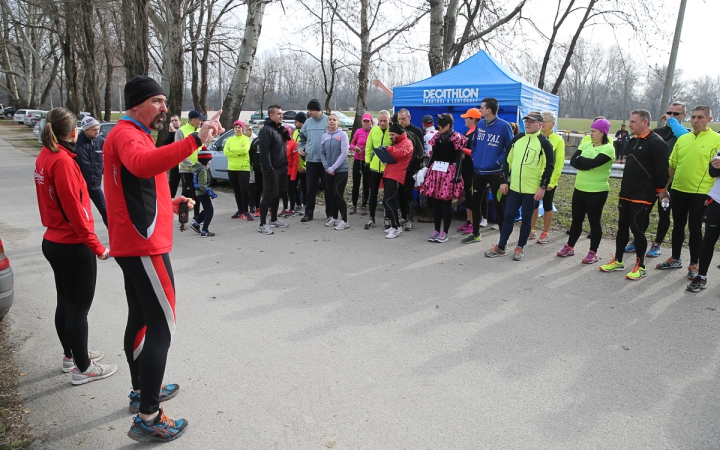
(272, 151)
(140, 216)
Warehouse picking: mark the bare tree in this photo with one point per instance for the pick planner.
(137, 40)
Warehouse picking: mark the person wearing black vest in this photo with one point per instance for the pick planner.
(416, 135)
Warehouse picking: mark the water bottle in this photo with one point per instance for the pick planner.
(665, 203)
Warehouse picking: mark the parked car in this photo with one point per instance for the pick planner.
(8, 112)
(289, 115)
(343, 120)
(7, 293)
(34, 118)
(105, 128)
(38, 127)
(19, 116)
(259, 115)
(217, 169)
(29, 114)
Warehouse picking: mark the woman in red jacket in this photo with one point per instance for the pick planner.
(69, 244)
(394, 176)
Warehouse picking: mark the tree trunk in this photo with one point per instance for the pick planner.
(87, 18)
(364, 71)
(437, 36)
(571, 49)
(551, 43)
(137, 41)
(238, 87)
(108, 75)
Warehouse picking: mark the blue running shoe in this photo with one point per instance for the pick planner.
(164, 429)
(655, 250)
(167, 391)
(630, 247)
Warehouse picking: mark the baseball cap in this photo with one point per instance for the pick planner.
(194, 114)
(88, 122)
(427, 118)
(534, 115)
(473, 113)
(367, 117)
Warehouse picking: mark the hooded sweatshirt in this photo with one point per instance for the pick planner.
(333, 153)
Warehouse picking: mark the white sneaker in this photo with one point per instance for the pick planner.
(277, 224)
(95, 371)
(332, 222)
(392, 233)
(408, 225)
(342, 225)
(483, 222)
(69, 363)
(495, 226)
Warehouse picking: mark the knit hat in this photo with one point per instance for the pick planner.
(140, 89)
(396, 128)
(88, 122)
(427, 118)
(300, 117)
(204, 155)
(195, 114)
(239, 122)
(367, 116)
(314, 105)
(601, 125)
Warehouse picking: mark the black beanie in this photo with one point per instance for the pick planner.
(140, 89)
(314, 105)
(396, 128)
(301, 117)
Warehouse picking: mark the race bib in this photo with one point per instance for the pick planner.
(440, 166)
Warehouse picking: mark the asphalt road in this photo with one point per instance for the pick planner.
(314, 338)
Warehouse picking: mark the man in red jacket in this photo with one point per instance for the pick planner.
(140, 214)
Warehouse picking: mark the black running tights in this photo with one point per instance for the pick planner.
(631, 217)
(590, 204)
(442, 214)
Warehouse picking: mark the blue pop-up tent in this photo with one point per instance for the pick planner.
(464, 86)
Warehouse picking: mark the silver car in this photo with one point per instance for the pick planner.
(7, 293)
(30, 114)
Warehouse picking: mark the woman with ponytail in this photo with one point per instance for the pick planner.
(69, 244)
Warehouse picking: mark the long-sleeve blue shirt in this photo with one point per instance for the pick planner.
(490, 146)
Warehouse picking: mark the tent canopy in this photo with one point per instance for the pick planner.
(465, 85)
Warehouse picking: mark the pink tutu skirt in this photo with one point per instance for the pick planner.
(440, 185)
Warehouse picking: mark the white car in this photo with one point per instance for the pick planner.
(19, 116)
(29, 114)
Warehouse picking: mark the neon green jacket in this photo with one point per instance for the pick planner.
(376, 138)
(186, 165)
(690, 158)
(529, 163)
(296, 138)
(237, 150)
(559, 145)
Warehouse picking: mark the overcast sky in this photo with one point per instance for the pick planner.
(699, 52)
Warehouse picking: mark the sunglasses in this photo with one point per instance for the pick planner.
(672, 113)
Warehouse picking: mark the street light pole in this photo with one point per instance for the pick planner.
(667, 90)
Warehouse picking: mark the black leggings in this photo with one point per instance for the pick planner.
(207, 213)
(407, 206)
(590, 204)
(687, 210)
(631, 217)
(75, 270)
(663, 221)
(360, 176)
(188, 190)
(468, 183)
(336, 185)
(712, 234)
(240, 182)
(258, 187)
(150, 292)
(291, 193)
(442, 212)
(481, 183)
(374, 182)
(391, 200)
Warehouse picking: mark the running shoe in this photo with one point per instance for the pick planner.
(181, 227)
(495, 251)
(544, 238)
(283, 213)
(692, 271)
(630, 247)
(206, 234)
(468, 230)
(195, 227)
(392, 233)
(697, 283)
(306, 219)
(566, 251)
(591, 258)
(613, 265)
(442, 237)
(532, 235)
(519, 255)
(483, 222)
(495, 226)
(330, 223)
(363, 211)
(386, 224)
(94, 372)
(352, 210)
(167, 391)
(464, 227)
(433, 237)
(637, 272)
(69, 363)
(247, 216)
(163, 430)
(370, 223)
(277, 224)
(472, 238)
(670, 263)
(257, 212)
(237, 215)
(342, 225)
(290, 213)
(265, 229)
(655, 250)
(408, 225)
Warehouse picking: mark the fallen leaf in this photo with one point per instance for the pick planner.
(625, 348)
(111, 428)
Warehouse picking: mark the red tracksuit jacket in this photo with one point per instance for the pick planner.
(64, 201)
(139, 206)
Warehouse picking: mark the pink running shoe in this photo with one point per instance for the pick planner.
(464, 227)
(590, 258)
(566, 251)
